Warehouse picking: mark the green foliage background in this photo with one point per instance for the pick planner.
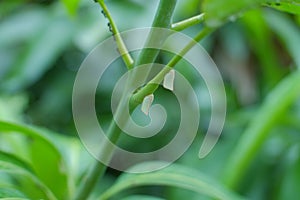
(257, 48)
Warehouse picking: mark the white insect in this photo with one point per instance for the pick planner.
(147, 102)
(169, 80)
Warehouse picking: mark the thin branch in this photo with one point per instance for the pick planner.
(120, 43)
(179, 26)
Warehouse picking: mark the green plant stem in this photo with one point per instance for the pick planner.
(98, 168)
(274, 107)
(120, 43)
(162, 19)
(156, 37)
(179, 26)
(150, 88)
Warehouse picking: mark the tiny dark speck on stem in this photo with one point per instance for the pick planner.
(109, 26)
(103, 13)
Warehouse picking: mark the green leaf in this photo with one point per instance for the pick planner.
(141, 197)
(6, 7)
(287, 31)
(218, 12)
(45, 159)
(71, 5)
(10, 192)
(175, 176)
(77, 159)
(39, 55)
(8, 157)
(274, 107)
(260, 38)
(17, 23)
(291, 176)
(290, 6)
(24, 182)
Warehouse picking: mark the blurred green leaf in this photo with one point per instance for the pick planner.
(186, 8)
(8, 6)
(71, 5)
(141, 197)
(174, 175)
(287, 31)
(291, 178)
(10, 193)
(16, 29)
(45, 159)
(275, 106)
(217, 12)
(260, 38)
(291, 6)
(39, 56)
(77, 158)
(25, 182)
(8, 157)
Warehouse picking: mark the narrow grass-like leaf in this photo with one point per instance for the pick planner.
(175, 176)
(275, 105)
(260, 38)
(287, 31)
(289, 186)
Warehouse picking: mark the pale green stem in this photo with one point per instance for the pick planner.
(179, 26)
(120, 43)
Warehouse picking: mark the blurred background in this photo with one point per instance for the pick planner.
(42, 45)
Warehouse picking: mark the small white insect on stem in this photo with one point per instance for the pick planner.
(147, 102)
(169, 80)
